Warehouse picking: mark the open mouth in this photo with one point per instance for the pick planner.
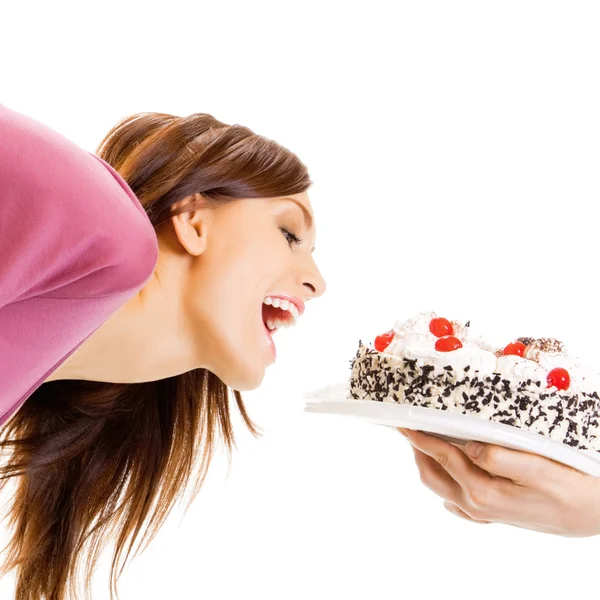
(279, 312)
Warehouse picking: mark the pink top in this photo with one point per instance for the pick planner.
(75, 245)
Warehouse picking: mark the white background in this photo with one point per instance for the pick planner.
(454, 148)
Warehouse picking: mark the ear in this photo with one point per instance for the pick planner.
(191, 227)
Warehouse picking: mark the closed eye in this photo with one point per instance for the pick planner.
(291, 238)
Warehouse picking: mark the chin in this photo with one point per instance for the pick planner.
(243, 381)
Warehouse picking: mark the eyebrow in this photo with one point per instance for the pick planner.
(307, 216)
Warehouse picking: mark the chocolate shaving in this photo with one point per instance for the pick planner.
(550, 345)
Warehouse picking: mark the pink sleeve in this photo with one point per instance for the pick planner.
(70, 227)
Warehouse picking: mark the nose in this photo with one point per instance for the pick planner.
(313, 281)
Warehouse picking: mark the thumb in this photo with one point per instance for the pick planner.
(523, 468)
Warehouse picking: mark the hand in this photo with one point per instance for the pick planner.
(499, 485)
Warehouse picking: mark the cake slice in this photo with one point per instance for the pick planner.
(532, 384)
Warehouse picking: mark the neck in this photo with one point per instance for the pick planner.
(142, 341)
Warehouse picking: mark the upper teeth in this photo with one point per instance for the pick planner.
(283, 305)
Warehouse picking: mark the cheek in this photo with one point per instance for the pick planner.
(237, 270)
(231, 328)
(230, 289)
(249, 267)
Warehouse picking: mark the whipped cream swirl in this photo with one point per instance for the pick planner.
(414, 340)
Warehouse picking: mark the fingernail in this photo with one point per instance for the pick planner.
(402, 432)
(473, 449)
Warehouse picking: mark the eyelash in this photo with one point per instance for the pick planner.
(292, 238)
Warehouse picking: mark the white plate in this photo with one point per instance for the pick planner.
(454, 427)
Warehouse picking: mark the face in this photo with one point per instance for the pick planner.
(252, 273)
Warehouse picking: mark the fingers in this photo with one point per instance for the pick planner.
(450, 458)
(463, 515)
(448, 472)
(500, 485)
(523, 468)
(434, 477)
(437, 479)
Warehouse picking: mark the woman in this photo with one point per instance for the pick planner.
(136, 289)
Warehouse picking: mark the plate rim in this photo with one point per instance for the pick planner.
(324, 400)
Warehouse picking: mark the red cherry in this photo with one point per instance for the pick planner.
(383, 341)
(516, 348)
(448, 343)
(441, 327)
(559, 378)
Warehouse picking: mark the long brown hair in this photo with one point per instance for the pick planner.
(92, 458)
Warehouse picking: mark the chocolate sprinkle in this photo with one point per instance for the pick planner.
(573, 419)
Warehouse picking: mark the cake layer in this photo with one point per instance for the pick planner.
(565, 416)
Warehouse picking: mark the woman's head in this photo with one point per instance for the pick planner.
(230, 257)
(235, 228)
(239, 229)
